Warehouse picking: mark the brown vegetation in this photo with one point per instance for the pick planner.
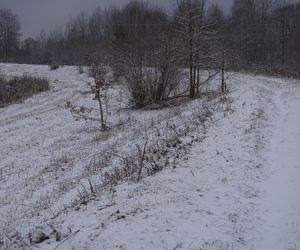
(14, 89)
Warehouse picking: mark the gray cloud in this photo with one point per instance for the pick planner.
(36, 15)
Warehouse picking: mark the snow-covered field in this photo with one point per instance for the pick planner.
(234, 186)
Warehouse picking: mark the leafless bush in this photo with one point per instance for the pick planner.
(80, 69)
(148, 86)
(53, 67)
(153, 73)
(95, 69)
(100, 91)
(13, 89)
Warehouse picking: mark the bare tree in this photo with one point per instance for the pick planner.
(197, 34)
(100, 90)
(9, 33)
(258, 34)
(142, 50)
(188, 20)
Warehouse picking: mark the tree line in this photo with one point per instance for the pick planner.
(145, 44)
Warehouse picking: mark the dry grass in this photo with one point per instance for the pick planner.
(159, 149)
(14, 89)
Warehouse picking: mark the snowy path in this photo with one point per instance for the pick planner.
(281, 224)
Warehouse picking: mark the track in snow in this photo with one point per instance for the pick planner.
(281, 223)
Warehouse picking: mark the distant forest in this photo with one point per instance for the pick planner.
(257, 34)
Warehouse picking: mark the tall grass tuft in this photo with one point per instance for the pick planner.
(17, 88)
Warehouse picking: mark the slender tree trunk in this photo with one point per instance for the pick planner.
(191, 51)
(103, 124)
(242, 36)
(198, 81)
(283, 37)
(223, 73)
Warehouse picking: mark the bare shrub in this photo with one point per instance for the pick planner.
(53, 67)
(13, 89)
(80, 69)
(95, 69)
(148, 86)
(100, 92)
(147, 157)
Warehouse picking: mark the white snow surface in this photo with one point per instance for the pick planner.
(237, 189)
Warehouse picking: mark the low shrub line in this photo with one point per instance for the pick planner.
(17, 88)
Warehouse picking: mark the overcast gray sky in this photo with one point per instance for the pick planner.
(50, 14)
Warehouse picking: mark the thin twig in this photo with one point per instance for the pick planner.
(71, 235)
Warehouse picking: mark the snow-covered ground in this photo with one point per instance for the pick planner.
(236, 188)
